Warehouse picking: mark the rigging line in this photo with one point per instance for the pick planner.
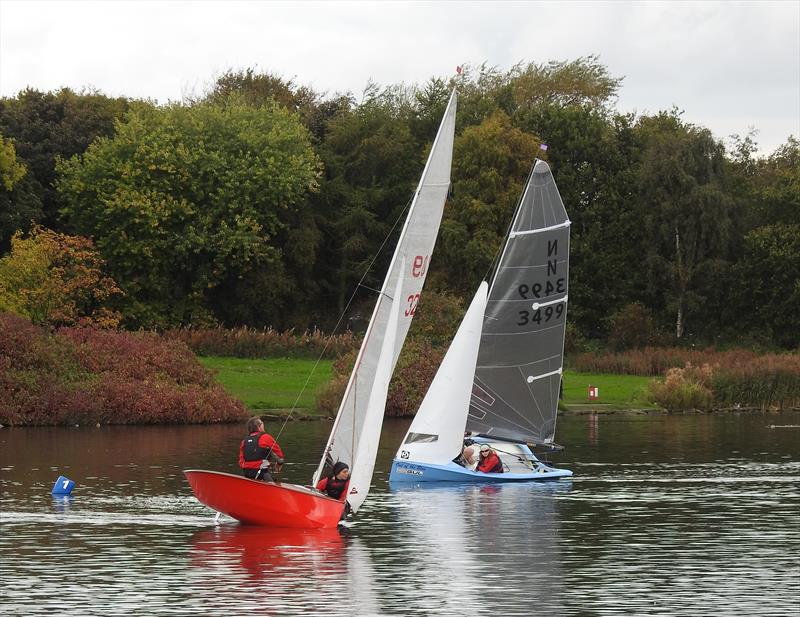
(519, 457)
(341, 316)
(377, 291)
(498, 254)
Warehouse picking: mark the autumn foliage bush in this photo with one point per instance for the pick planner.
(631, 327)
(88, 375)
(415, 370)
(684, 388)
(267, 343)
(416, 367)
(734, 378)
(57, 280)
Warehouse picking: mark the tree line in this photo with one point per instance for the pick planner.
(261, 203)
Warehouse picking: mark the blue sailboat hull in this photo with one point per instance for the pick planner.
(409, 471)
(404, 470)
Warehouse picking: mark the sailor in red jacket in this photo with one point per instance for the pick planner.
(335, 485)
(258, 451)
(489, 461)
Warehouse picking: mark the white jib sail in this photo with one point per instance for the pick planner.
(416, 243)
(437, 432)
(364, 459)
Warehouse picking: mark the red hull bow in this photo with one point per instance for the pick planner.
(264, 503)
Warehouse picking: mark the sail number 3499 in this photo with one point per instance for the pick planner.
(541, 315)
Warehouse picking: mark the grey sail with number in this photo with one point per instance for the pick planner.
(518, 374)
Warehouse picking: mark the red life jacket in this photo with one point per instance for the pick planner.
(491, 464)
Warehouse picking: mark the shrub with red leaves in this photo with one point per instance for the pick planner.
(87, 375)
(414, 372)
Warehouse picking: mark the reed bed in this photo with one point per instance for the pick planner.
(707, 378)
(266, 343)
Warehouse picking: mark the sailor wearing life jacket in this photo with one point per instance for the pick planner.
(489, 461)
(335, 485)
(258, 451)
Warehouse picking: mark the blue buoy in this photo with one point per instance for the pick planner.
(63, 486)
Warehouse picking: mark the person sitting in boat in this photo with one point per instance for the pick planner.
(335, 485)
(258, 452)
(490, 462)
(468, 457)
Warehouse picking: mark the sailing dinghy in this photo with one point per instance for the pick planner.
(500, 379)
(356, 430)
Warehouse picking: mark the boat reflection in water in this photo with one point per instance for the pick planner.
(484, 549)
(288, 570)
(259, 551)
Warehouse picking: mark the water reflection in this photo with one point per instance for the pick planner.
(62, 503)
(262, 553)
(293, 570)
(666, 515)
(468, 538)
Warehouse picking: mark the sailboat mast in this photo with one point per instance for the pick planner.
(416, 243)
(499, 258)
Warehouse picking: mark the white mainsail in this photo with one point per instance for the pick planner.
(364, 459)
(416, 244)
(435, 435)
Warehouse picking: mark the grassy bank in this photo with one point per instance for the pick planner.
(616, 391)
(273, 384)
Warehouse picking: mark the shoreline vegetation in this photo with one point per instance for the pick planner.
(89, 375)
(135, 236)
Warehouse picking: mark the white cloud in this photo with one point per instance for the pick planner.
(729, 65)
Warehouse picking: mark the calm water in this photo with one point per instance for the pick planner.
(666, 516)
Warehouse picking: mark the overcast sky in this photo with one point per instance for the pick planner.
(729, 65)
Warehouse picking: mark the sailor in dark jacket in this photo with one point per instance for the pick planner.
(335, 485)
(259, 453)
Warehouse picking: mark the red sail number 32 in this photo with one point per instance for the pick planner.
(413, 299)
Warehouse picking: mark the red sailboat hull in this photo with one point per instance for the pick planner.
(264, 503)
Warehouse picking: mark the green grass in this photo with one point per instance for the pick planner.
(616, 391)
(273, 383)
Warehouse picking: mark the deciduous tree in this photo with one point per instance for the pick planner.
(49, 125)
(182, 199)
(56, 280)
(690, 217)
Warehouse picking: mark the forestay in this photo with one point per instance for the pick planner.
(518, 375)
(415, 245)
